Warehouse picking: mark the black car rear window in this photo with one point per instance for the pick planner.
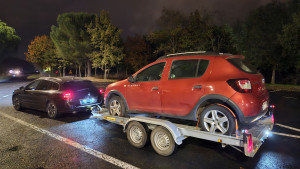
(78, 85)
(53, 86)
(243, 65)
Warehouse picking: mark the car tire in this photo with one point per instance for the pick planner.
(137, 134)
(52, 110)
(17, 103)
(217, 119)
(116, 106)
(162, 141)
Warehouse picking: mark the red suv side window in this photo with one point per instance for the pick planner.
(152, 73)
(190, 68)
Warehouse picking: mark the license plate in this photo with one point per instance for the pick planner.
(88, 101)
(265, 105)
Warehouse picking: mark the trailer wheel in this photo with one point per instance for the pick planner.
(116, 106)
(217, 119)
(137, 134)
(162, 141)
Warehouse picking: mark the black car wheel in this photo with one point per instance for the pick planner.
(116, 106)
(217, 119)
(52, 110)
(17, 103)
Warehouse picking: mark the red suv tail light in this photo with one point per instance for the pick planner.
(240, 85)
(67, 96)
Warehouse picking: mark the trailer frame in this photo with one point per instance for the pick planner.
(248, 137)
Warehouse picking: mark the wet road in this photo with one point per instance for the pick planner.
(29, 139)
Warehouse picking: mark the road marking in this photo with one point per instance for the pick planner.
(7, 95)
(288, 127)
(86, 149)
(288, 135)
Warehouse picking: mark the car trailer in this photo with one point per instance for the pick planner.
(165, 134)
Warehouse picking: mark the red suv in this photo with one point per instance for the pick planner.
(220, 91)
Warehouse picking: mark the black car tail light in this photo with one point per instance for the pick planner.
(67, 95)
(240, 85)
(101, 91)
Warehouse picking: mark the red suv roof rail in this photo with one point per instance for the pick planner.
(193, 54)
(235, 56)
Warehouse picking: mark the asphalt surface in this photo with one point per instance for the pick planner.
(28, 139)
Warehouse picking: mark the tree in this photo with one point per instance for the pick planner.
(178, 33)
(106, 43)
(41, 52)
(259, 37)
(220, 38)
(71, 38)
(137, 52)
(195, 37)
(171, 27)
(290, 41)
(9, 39)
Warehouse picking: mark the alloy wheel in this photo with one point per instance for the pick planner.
(216, 122)
(16, 103)
(115, 108)
(51, 110)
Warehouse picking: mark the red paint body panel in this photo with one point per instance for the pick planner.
(142, 97)
(178, 96)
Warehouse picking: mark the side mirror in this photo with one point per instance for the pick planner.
(22, 88)
(131, 79)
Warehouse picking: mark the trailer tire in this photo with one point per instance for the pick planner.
(162, 141)
(137, 134)
(217, 119)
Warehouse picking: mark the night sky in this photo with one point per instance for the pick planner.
(35, 17)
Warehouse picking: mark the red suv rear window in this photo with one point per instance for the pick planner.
(243, 65)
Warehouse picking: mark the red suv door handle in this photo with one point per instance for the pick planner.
(197, 87)
(154, 88)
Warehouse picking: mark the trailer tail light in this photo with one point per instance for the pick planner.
(250, 143)
(101, 91)
(240, 85)
(273, 120)
(67, 96)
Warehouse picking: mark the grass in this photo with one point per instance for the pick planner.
(286, 87)
(98, 80)
(4, 77)
(34, 76)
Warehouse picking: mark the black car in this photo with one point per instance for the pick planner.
(58, 95)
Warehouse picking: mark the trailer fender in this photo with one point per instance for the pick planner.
(177, 136)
